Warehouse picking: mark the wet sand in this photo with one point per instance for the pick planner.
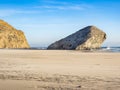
(59, 70)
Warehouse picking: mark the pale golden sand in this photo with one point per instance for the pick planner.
(59, 70)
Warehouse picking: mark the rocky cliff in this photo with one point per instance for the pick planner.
(10, 37)
(87, 38)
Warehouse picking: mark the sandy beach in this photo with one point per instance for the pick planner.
(59, 70)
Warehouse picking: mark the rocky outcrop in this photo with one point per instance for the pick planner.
(87, 38)
(10, 37)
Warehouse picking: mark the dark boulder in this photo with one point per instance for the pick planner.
(87, 38)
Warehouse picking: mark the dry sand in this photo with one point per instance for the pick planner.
(59, 70)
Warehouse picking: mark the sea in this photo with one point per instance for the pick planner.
(102, 49)
(109, 49)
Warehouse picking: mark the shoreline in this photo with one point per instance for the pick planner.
(102, 49)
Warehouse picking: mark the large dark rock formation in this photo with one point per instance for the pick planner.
(10, 37)
(87, 38)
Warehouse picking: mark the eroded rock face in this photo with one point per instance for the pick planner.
(87, 38)
(10, 37)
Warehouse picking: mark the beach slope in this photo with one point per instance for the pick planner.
(59, 70)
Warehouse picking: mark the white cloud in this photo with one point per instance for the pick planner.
(62, 5)
(8, 12)
(73, 7)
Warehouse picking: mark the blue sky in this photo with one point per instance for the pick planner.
(45, 21)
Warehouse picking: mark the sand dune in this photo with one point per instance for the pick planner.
(59, 70)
